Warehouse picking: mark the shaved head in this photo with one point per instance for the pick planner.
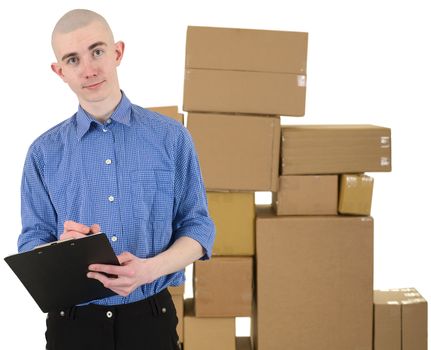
(76, 19)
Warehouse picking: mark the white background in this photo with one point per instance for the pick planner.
(368, 62)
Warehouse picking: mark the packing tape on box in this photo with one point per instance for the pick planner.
(393, 302)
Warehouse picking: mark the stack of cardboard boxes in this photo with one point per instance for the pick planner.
(303, 267)
(237, 83)
(317, 265)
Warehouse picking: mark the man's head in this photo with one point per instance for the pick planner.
(87, 57)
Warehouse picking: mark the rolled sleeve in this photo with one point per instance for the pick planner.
(191, 216)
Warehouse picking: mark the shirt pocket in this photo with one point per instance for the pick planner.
(164, 197)
(152, 194)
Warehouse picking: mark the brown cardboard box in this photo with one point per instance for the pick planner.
(335, 149)
(306, 195)
(356, 193)
(176, 290)
(243, 343)
(245, 71)
(400, 320)
(223, 287)
(233, 216)
(207, 333)
(314, 282)
(246, 49)
(169, 111)
(238, 153)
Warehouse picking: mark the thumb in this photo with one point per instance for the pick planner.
(125, 257)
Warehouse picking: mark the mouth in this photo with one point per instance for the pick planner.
(93, 86)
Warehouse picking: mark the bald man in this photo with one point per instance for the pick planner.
(123, 170)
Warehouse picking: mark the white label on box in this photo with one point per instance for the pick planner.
(384, 161)
(301, 80)
(385, 142)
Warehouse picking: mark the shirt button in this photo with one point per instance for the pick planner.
(114, 238)
(108, 161)
(105, 130)
(164, 310)
(61, 313)
(109, 121)
(109, 314)
(111, 198)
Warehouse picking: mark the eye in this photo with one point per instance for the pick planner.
(72, 60)
(98, 52)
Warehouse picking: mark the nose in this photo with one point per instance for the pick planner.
(89, 68)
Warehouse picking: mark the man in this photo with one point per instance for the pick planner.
(123, 170)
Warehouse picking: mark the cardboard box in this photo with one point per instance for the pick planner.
(356, 194)
(400, 320)
(237, 153)
(335, 149)
(234, 217)
(179, 306)
(245, 71)
(243, 343)
(169, 111)
(176, 290)
(207, 333)
(223, 287)
(314, 282)
(306, 195)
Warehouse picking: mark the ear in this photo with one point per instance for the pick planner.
(119, 51)
(56, 68)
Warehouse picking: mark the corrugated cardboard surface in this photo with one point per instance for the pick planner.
(356, 194)
(335, 149)
(179, 306)
(237, 153)
(169, 111)
(245, 71)
(306, 195)
(176, 290)
(246, 49)
(223, 287)
(244, 92)
(233, 216)
(314, 282)
(207, 333)
(400, 320)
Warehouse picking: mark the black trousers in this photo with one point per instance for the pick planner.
(148, 324)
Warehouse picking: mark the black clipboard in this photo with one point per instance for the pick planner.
(55, 274)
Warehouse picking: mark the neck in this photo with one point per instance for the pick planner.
(102, 110)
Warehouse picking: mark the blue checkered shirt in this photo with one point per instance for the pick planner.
(137, 176)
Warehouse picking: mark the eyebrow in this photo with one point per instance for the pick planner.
(91, 47)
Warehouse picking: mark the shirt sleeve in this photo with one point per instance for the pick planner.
(191, 216)
(38, 215)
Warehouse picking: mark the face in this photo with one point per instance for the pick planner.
(87, 60)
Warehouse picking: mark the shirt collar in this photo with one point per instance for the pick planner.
(121, 114)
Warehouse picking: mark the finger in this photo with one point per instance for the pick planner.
(95, 228)
(76, 226)
(71, 234)
(125, 257)
(111, 269)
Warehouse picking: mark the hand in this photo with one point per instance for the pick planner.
(74, 229)
(132, 273)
